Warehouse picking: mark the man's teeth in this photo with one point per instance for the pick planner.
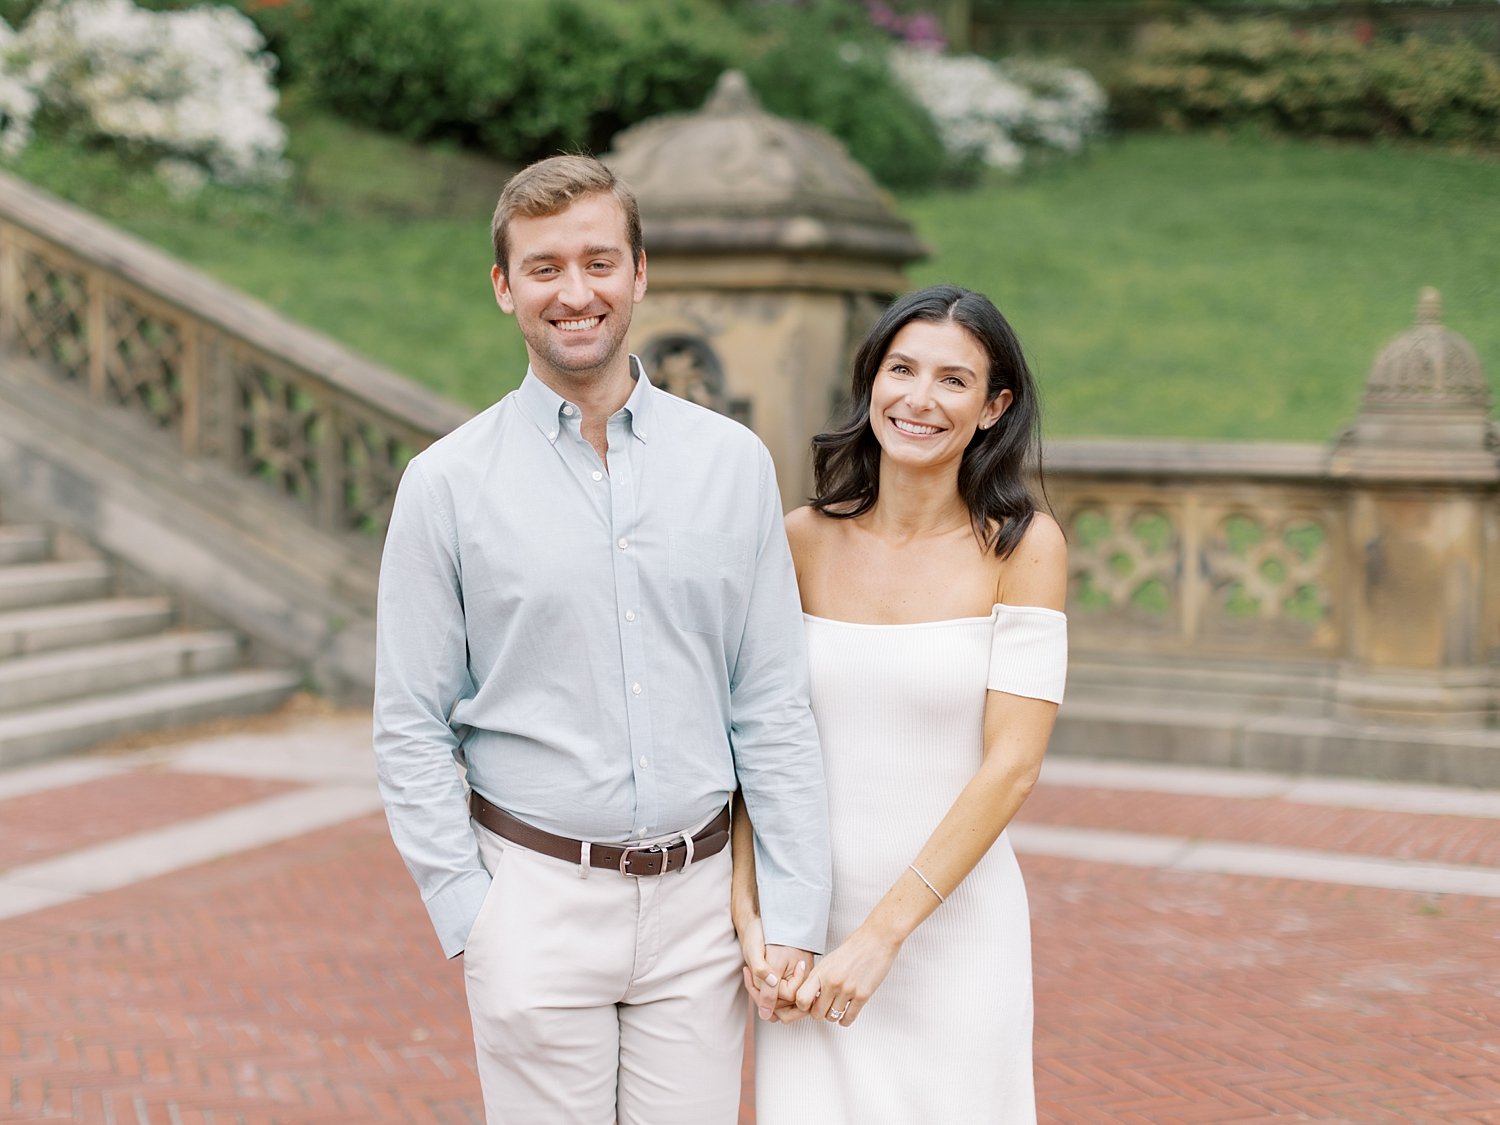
(579, 325)
(914, 427)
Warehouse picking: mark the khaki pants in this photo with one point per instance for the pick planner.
(607, 998)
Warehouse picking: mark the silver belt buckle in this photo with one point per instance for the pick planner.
(625, 858)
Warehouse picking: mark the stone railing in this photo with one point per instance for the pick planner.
(216, 374)
(1203, 549)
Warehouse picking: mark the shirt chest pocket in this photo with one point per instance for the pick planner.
(708, 571)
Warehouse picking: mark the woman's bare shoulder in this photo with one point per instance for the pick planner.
(1036, 572)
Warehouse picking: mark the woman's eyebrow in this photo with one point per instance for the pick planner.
(902, 357)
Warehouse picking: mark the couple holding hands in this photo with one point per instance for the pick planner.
(645, 746)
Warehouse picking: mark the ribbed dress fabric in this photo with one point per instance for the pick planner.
(947, 1038)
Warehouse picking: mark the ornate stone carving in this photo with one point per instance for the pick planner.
(733, 177)
(1428, 365)
(279, 428)
(1269, 567)
(1426, 409)
(1125, 559)
(143, 362)
(52, 316)
(688, 367)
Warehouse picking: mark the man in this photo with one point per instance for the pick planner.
(587, 600)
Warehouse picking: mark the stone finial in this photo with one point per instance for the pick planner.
(1428, 366)
(735, 179)
(1426, 406)
(732, 94)
(1429, 306)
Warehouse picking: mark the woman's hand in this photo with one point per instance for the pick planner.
(772, 973)
(842, 983)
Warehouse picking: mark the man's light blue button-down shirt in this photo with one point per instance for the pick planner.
(606, 651)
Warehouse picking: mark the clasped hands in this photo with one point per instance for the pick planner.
(786, 986)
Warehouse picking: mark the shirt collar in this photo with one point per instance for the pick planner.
(544, 406)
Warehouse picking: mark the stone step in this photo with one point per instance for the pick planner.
(23, 544)
(30, 681)
(80, 623)
(41, 732)
(27, 585)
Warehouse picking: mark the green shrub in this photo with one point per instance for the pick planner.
(1326, 83)
(820, 62)
(520, 79)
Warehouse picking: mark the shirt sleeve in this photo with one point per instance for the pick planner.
(421, 670)
(1029, 653)
(776, 752)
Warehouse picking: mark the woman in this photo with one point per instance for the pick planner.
(932, 590)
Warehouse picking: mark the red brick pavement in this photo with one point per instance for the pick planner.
(39, 825)
(299, 984)
(1397, 835)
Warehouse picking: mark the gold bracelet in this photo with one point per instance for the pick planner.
(927, 882)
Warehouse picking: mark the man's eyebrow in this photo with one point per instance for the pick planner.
(600, 251)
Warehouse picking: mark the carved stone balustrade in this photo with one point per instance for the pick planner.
(1332, 608)
(244, 459)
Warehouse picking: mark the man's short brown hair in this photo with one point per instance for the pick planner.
(553, 185)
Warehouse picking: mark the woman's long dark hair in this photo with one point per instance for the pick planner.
(992, 473)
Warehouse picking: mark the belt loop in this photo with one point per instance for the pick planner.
(687, 839)
(583, 860)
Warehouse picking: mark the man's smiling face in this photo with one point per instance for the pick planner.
(572, 287)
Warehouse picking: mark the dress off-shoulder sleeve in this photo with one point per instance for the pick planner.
(1029, 653)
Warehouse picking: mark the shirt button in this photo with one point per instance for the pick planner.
(643, 761)
(568, 411)
(630, 615)
(598, 475)
(551, 435)
(635, 689)
(622, 544)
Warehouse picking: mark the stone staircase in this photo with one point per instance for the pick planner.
(82, 659)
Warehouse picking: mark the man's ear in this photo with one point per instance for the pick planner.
(503, 296)
(640, 278)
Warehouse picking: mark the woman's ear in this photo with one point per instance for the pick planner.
(994, 408)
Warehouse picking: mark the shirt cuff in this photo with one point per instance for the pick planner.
(454, 908)
(794, 914)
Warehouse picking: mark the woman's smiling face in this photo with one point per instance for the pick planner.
(929, 395)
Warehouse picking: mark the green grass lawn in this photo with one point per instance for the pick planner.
(1176, 286)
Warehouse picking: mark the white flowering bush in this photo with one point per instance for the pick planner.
(993, 112)
(194, 85)
(18, 98)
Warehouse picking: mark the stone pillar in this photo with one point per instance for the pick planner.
(1420, 462)
(769, 255)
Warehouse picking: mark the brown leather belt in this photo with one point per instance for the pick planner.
(627, 859)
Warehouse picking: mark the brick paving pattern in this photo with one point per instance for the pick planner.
(1292, 824)
(300, 984)
(40, 825)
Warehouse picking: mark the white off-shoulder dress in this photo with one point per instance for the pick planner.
(947, 1037)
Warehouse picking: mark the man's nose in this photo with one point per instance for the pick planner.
(576, 292)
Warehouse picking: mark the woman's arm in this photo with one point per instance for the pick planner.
(1016, 730)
